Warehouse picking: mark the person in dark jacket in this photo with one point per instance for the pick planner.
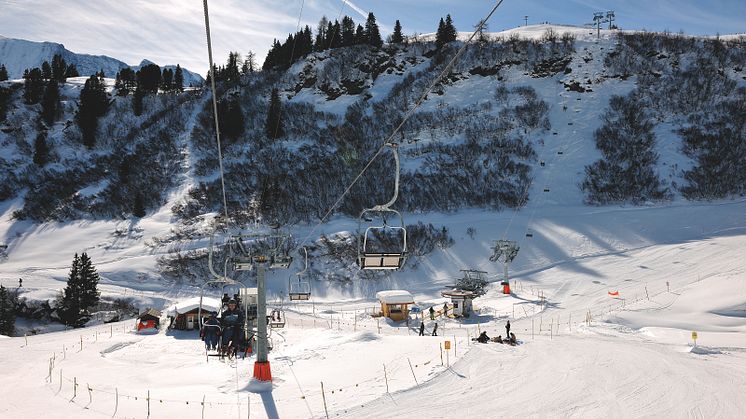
(432, 313)
(507, 328)
(232, 321)
(445, 309)
(422, 328)
(483, 338)
(211, 332)
(435, 330)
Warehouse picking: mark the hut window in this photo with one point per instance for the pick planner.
(395, 308)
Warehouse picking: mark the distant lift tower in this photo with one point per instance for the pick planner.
(610, 17)
(505, 251)
(598, 19)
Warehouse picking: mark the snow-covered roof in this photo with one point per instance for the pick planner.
(395, 297)
(208, 304)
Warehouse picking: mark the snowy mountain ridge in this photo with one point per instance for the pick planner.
(18, 55)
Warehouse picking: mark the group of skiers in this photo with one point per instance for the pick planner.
(432, 311)
(422, 329)
(227, 330)
(510, 338)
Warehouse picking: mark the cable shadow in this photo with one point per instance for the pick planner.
(269, 405)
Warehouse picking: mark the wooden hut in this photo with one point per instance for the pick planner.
(395, 304)
(149, 319)
(185, 315)
(461, 300)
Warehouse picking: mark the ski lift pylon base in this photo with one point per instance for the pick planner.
(262, 371)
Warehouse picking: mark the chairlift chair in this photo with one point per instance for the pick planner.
(393, 258)
(300, 289)
(276, 323)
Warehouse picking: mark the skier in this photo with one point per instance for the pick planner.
(232, 320)
(435, 330)
(499, 339)
(483, 338)
(445, 309)
(432, 313)
(422, 328)
(512, 339)
(225, 299)
(211, 332)
(20, 282)
(507, 328)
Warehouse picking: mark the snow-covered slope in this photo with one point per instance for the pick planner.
(18, 55)
(672, 267)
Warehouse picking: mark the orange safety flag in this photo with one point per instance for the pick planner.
(614, 293)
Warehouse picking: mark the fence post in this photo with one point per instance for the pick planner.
(75, 388)
(90, 394)
(323, 397)
(81, 343)
(386, 377)
(25, 338)
(646, 293)
(147, 399)
(355, 329)
(415, 377)
(203, 406)
(248, 406)
(454, 346)
(439, 344)
(569, 322)
(116, 401)
(60, 389)
(378, 323)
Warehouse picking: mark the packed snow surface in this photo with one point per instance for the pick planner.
(604, 302)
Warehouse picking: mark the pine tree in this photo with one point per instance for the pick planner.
(137, 99)
(348, 31)
(360, 35)
(69, 308)
(94, 103)
(397, 37)
(89, 279)
(149, 78)
(46, 71)
(50, 103)
(274, 126)
(3, 72)
(59, 68)
(372, 33)
(440, 35)
(168, 80)
(72, 71)
(33, 86)
(41, 149)
(450, 30)
(179, 79)
(125, 82)
(81, 292)
(7, 312)
(138, 207)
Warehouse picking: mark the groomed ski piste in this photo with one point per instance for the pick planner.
(678, 267)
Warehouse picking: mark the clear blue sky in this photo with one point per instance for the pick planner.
(171, 31)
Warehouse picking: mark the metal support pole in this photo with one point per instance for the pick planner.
(262, 370)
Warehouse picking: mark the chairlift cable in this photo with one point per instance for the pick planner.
(215, 107)
(408, 115)
(292, 55)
